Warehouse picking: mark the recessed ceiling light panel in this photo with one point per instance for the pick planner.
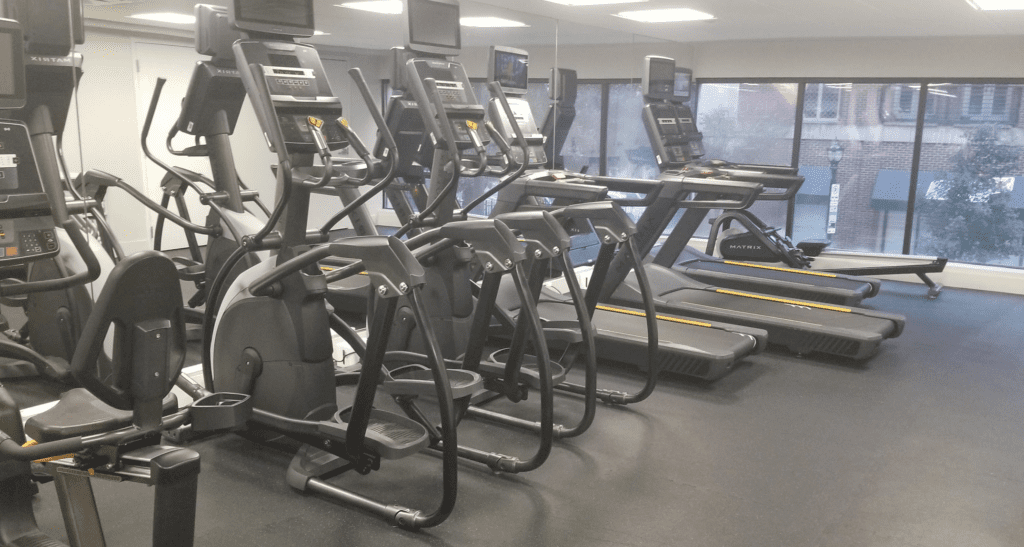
(490, 22)
(666, 15)
(593, 2)
(997, 5)
(166, 17)
(387, 7)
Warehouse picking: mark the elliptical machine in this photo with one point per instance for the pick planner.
(268, 333)
(112, 427)
(55, 318)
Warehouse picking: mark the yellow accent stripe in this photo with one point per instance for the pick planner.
(778, 269)
(332, 268)
(637, 313)
(784, 301)
(51, 458)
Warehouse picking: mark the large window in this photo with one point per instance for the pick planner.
(582, 149)
(749, 123)
(970, 195)
(821, 102)
(857, 174)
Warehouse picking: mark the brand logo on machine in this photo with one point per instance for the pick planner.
(667, 121)
(227, 71)
(293, 83)
(745, 247)
(50, 60)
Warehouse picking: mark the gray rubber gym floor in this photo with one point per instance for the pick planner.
(922, 446)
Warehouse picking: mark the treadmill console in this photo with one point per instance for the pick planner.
(26, 220)
(527, 124)
(509, 67)
(688, 131)
(671, 133)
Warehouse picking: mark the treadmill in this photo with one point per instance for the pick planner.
(702, 349)
(677, 145)
(800, 325)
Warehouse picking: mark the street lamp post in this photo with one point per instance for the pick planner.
(835, 155)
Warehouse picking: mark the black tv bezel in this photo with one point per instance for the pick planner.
(264, 26)
(681, 70)
(646, 78)
(18, 97)
(492, 72)
(428, 47)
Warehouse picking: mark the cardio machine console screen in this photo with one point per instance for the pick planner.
(433, 27)
(26, 222)
(510, 70)
(281, 17)
(683, 79)
(299, 89)
(661, 78)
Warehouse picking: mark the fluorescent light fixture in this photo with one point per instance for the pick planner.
(667, 15)
(167, 17)
(593, 2)
(387, 7)
(490, 22)
(997, 5)
(321, 33)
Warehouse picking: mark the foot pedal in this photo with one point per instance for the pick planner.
(418, 381)
(528, 374)
(388, 435)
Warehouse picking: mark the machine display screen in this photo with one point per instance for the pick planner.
(682, 84)
(7, 85)
(434, 24)
(275, 16)
(661, 80)
(12, 67)
(510, 70)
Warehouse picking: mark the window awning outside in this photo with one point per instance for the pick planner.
(815, 189)
(893, 186)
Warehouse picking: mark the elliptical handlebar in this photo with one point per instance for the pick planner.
(505, 180)
(419, 92)
(390, 151)
(498, 92)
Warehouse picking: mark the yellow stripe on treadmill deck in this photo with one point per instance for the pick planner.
(778, 269)
(784, 301)
(638, 313)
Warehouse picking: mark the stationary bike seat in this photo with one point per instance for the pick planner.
(80, 413)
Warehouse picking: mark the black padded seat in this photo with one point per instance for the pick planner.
(80, 413)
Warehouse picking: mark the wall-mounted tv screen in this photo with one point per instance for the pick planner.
(433, 26)
(509, 68)
(659, 77)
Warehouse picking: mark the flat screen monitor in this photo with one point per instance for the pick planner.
(49, 27)
(508, 67)
(12, 65)
(432, 26)
(659, 77)
(280, 17)
(684, 79)
(562, 85)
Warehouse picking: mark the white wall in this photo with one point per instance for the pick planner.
(992, 57)
(119, 74)
(589, 61)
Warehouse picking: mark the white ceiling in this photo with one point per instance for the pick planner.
(735, 20)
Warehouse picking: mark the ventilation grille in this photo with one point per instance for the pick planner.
(690, 366)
